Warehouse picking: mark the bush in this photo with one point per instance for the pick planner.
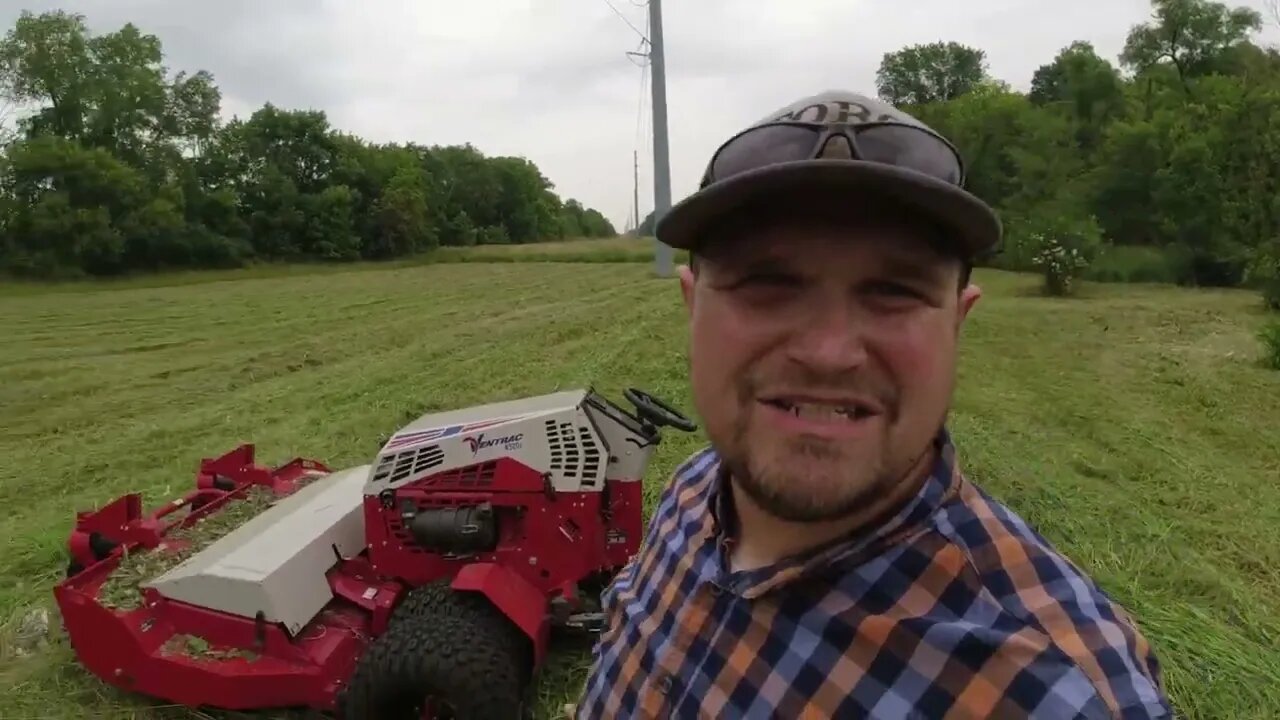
(1264, 274)
(1060, 263)
(494, 235)
(211, 250)
(1137, 263)
(1221, 264)
(1271, 294)
(1270, 337)
(459, 231)
(1058, 239)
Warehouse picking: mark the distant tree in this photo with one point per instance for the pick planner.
(1084, 85)
(1192, 36)
(934, 72)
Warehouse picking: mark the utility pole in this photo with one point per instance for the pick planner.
(663, 255)
(636, 190)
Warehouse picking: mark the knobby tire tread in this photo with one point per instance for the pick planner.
(454, 646)
(436, 600)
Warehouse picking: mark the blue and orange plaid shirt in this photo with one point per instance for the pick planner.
(954, 608)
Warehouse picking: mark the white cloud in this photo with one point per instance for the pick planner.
(549, 79)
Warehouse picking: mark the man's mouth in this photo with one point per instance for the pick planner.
(824, 409)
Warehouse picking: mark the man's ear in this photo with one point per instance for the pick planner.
(969, 296)
(688, 276)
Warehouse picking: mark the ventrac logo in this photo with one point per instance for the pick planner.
(480, 442)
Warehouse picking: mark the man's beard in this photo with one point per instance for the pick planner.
(814, 479)
(791, 487)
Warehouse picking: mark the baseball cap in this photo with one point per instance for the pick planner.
(837, 141)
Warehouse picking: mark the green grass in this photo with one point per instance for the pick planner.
(1135, 426)
(601, 250)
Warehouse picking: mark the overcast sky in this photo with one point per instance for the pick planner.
(550, 79)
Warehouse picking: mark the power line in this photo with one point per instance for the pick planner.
(644, 86)
(640, 58)
(643, 37)
(640, 106)
(644, 77)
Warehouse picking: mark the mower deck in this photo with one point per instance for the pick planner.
(266, 616)
(275, 563)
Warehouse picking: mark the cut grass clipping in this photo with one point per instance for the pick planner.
(199, 648)
(121, 589)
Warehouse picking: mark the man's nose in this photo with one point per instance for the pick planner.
(829, 338)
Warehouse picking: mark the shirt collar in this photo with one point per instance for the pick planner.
(939, 487)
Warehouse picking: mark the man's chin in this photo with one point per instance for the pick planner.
(808, 486)
(795, 500)
(807, 455)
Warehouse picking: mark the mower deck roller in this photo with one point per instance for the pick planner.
(430, 577)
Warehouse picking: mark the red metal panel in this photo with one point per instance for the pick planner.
(519, 600)
(142, 650)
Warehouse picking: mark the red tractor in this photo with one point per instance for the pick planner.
(425, 583)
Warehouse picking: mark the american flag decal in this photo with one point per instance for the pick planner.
(417, 436)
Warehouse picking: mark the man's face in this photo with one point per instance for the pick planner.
(823, 360)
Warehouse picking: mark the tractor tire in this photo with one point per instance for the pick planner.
(438, 600)
(435, 600)
(464, 668)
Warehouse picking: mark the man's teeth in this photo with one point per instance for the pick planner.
(811, 411)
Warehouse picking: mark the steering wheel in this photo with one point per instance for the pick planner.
(656, 411)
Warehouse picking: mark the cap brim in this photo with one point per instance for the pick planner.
(975, 227)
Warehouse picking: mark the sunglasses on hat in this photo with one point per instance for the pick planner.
(890, 143)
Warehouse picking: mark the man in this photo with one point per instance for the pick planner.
(826, 557)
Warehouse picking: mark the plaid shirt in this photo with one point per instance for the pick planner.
(953, 608)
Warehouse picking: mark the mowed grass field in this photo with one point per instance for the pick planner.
(1132, 425)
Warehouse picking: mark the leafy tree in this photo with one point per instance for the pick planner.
(328, 229)
(400, 217)
(1193, 36)
(1085, 87)
(933, 72)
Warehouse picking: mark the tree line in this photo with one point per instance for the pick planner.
(1163, 166)
(110, 164)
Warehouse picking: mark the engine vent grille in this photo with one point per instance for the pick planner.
(590, 457)
(394, 468)
(575, 454)
(472, 476)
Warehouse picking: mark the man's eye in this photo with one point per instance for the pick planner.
(766, 280)
(893, 289)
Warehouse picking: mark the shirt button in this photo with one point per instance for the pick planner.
(715, 589)
(664, 684)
